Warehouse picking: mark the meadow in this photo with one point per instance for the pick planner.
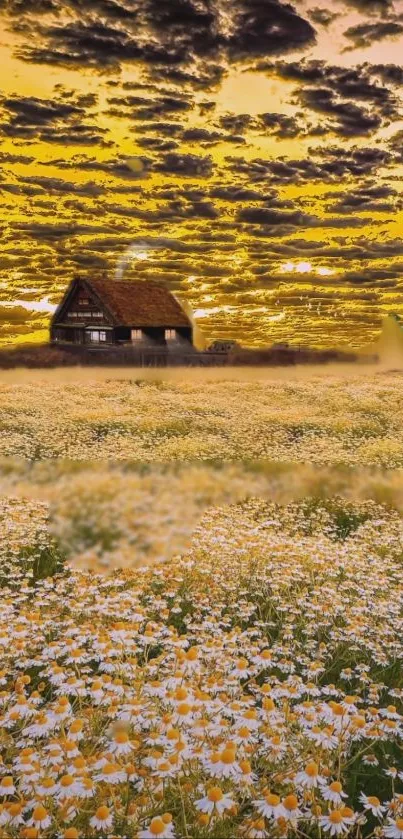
(201, 640)
(347, 416)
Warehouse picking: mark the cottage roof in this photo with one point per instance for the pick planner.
(139, 303)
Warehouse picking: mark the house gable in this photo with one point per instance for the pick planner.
(81, 305)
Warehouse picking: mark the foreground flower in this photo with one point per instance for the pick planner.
(394, 829)
(309, 777)
(338, 821)
(40, 818)
(103, 819)
(160, 827)
(215, 800)
(372, 803)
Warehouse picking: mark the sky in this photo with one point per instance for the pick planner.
(248, 153)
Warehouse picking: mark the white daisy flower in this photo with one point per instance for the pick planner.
(309, 777)
(338, 821)
(289, 808)
(103, 819)
(160, 827)
(269, 806)
(216, 801)
(111, 774)
(372, 803)
(7, 786)
(121, 744)
(333, 792)
(40, 818)
(394, 829)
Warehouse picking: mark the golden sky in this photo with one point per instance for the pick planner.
(247, 152)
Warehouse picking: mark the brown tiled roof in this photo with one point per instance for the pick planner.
(140, 303)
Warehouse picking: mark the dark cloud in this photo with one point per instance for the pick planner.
(235, 123)
(350, 120)
(185, 165)
(176, 209)
(157, 144)
(205, 137)
(117, 167)
(365, 33)
(141, 108)
(60, 230)
(283, 220)
(11, 157)
(389, 73)
(232, 193)
(395, 143)
(370, 6)
(61, 120)
(366, 198)
(283, 126)
(331, 164)
(323, 17)
(57, 186)
(172, 33)
(352, 82)
(354, 102)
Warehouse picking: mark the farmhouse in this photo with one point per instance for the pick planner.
(101, 312)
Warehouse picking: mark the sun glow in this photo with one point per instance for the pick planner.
(305, 268)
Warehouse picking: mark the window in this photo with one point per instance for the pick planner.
(170, 334)
(96, 335)
(137, 334)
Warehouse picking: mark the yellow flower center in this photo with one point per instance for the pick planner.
(122, 737)
(7, 782)
(290, 802)
(372, 799)
(335, 817)
(102, 813)
(39, 813)
(227, 756)
(66, 780)
(181, 693)
(192, 654)
(215, 794)
(243, 731)
(173, 734)
(109, 769)
(48, 782)
(312, 769)
(157, 827)
(245, 766)
(336, 786)
(167, 818)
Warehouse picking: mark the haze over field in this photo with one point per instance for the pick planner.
(248, 153)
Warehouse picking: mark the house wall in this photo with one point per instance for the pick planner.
(152, 334)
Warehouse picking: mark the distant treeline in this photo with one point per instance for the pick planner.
(46, 355)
